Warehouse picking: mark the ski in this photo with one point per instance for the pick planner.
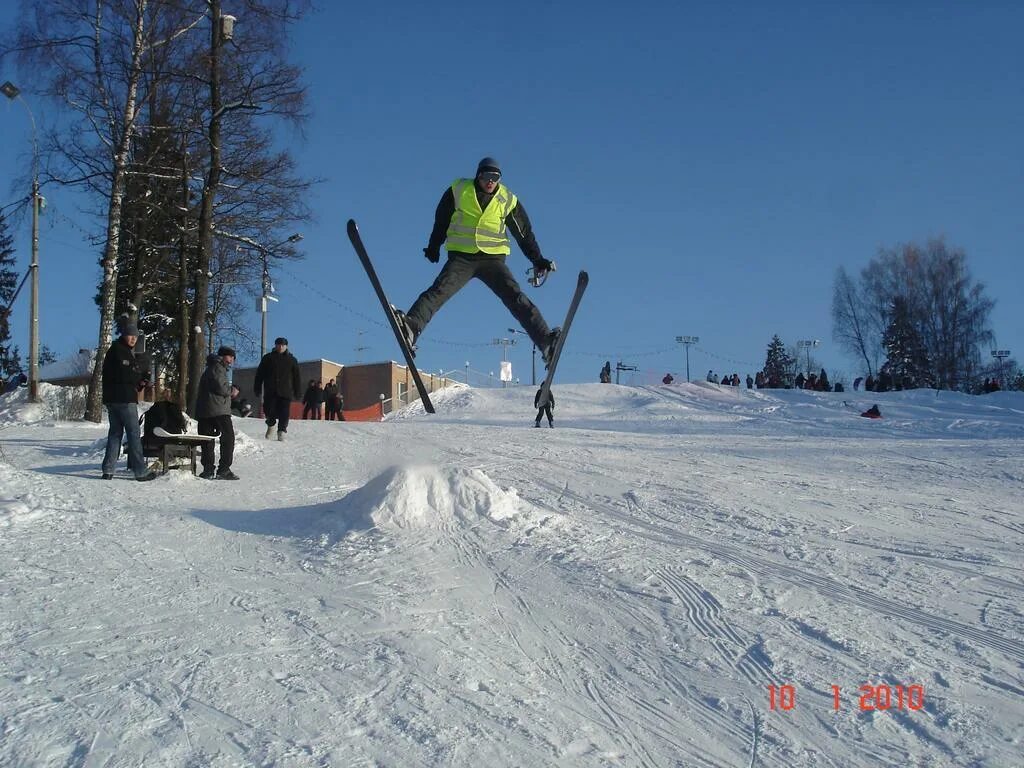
(545, 388)
(357, 243)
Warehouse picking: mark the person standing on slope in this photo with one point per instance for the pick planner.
(475, 216)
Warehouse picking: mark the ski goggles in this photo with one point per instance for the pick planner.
(491, 176)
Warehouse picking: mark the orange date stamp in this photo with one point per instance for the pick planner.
(872, 698)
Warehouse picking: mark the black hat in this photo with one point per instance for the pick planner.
(280, 340)
(225, 351)
(488, 164)
(129, 329)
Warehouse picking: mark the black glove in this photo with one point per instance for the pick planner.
(433, 254)
(544, 265)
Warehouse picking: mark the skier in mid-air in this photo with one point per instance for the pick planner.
(474, 216)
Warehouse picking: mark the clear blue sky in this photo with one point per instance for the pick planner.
(710, 165)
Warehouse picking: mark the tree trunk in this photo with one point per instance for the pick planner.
(202, 280)
(108, 290)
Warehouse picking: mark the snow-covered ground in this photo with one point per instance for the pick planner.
(466, 590)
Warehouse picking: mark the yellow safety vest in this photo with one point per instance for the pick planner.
(472, 229)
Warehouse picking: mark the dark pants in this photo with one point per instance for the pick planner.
(546, 411)
(124, 419)
(312, 409)
(218, 425)
(276, 411)
(334, 411)
(490, 270)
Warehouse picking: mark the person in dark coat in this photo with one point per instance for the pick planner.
(277, 377)
(123, 379)
(872, 413)
(800, 379)
(313, 400)
(668, 379)
(475, 217)
(546, 410)
(330, 400)
(750, 381)
(213, 412)
(166, 414)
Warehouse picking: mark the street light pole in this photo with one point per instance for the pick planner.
(267, 287)
(687, 341)
(11, 91)
(807, 344)
(504, 344)
(533, 361)
(1000, 355)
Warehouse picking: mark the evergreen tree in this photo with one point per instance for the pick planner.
(906, 354)
(778, 364)
(10, 358)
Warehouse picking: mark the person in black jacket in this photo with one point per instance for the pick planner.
(313, 400)
(277, 377)
(546, 410)
(465, 217)
(213, 412)
(123, 379)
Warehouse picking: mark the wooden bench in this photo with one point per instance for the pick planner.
(171, 446)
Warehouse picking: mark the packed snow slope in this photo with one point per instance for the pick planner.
(463, 589)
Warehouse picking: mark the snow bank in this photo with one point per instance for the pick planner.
(419, 497)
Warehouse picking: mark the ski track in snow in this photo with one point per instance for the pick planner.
(682, 549)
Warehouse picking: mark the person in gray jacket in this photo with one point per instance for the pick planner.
(213, 412)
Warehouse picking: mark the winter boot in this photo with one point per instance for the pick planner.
(549, 346)
(270, 431)
(207, 474)
(280, 435)
(227, 474)
(407, 330)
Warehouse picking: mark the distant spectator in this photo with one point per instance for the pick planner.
(735, 380)
(800, 379)
(213, 412)
(872, 413)
(123, 379)
(314, 400)
(332, 399)
(884, 382)
(750, 381)
(839, 387)
(811, 382)
(823, 385)
(711, 377)
(759, 381)
(714, 378)
(278, 378)
(546, 410)
(606, 373)
(668, 379)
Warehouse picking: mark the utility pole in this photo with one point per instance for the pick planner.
(533, 361)
(687, 341)
(1000, 355)
(504, 344)
(11, 91)
(268, 285)
(807, 344)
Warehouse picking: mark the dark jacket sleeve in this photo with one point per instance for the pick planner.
(257, 385)
(519, 223)
(296, 380)
(442, 218)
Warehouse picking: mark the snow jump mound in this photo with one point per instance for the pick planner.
(420, 497)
